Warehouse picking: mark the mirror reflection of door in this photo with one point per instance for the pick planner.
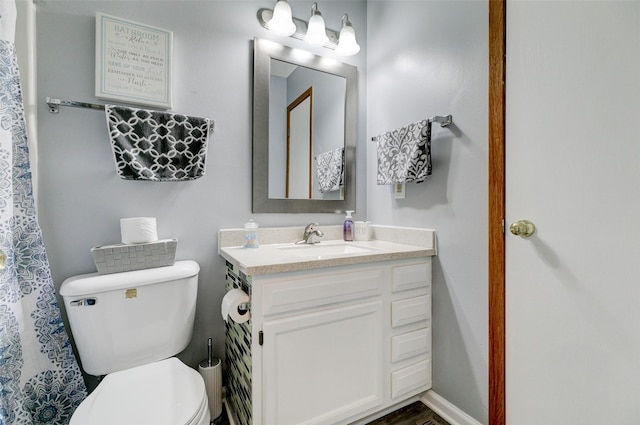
(300, 146)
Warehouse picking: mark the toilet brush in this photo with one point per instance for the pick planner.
(211, 371)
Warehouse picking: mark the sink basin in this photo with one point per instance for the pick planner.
(320, 250)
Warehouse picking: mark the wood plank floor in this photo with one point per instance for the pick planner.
(413, 414)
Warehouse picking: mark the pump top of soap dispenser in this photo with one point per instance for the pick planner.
(349, 212)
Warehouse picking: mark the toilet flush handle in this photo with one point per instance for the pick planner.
(83, 302)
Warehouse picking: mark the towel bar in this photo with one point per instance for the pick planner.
(54, 107)
(54, 104)
(444, 121)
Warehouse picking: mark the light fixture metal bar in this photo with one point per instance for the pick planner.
(264, 16)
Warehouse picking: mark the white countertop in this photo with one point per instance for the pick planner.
(274, 255)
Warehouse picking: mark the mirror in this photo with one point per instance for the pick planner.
(305, 159)
(311, 167)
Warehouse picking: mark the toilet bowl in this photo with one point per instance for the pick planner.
(162, 393)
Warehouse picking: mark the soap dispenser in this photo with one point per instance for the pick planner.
(251, 234)
(347, 228)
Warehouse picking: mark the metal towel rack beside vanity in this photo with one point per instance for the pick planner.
(55, 104)
(444, 121)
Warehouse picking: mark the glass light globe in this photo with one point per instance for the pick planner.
(281, 22)
(347, 44)
(316, 33)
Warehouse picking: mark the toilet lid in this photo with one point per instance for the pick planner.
(162, 393)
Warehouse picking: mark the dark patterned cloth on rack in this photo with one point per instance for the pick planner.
(404, 154)
(330, 170)
(157, 146)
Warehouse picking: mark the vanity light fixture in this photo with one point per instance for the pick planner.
(347, 44)
(282, 21)
(344, 43)
(316, 33)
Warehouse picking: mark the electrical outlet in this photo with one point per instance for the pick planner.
(399, 190)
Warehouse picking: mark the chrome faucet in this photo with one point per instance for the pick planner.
(311, 234)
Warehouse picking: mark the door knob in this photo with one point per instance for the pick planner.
(522, 228)
(3, 260)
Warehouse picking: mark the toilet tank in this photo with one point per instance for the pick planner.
(128, 319)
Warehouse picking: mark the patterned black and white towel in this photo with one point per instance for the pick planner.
(330, 170)
(404, 154)
(157, 146)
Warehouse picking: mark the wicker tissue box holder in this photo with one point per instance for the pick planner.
(127, 257)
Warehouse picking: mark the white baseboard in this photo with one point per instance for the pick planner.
(446, 410)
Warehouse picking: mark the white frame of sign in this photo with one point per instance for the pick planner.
(133, 62)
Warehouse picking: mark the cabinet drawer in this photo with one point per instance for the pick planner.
(410, 310)
(415, 378)
(410, 344)
(307, 292)
(411, 277)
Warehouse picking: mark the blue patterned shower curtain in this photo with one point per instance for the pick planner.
(40, 382)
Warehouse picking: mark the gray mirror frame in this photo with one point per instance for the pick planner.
(263, 52)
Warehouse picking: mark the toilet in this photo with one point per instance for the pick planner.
(128, 326)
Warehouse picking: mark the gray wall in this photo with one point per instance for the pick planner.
(439, 67)
(81, 198)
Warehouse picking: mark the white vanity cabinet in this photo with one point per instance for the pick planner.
(333, 345)
(322, 367)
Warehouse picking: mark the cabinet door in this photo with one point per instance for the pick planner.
(322, 367)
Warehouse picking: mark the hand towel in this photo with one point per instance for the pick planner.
(404, 154)
(157, 146)
(330, 170)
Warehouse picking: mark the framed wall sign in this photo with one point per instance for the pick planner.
(133, 62)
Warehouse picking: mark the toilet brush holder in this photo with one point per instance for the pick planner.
(211, 372)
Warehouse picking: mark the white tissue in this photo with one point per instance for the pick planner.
(230, 303)
(138, 230)
(362, 230)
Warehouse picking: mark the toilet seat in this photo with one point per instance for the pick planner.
(162, 393)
